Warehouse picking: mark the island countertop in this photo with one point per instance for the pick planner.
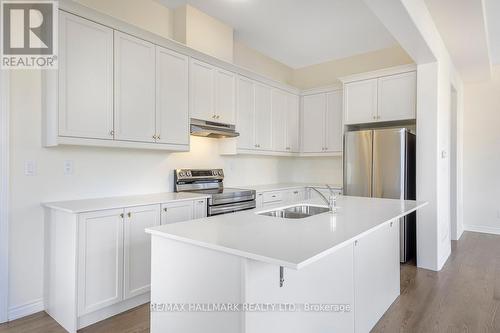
(292, 243)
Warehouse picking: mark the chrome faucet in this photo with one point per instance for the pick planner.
(331, 201)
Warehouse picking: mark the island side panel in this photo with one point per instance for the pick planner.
(188, 274)
(327, 281)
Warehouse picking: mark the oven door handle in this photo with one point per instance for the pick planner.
(215, 210)
(220, 201)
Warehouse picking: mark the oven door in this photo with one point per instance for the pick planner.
(230, 208)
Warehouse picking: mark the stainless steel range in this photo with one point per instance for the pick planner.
(210, 181)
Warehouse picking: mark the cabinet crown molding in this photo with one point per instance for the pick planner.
(378, 73)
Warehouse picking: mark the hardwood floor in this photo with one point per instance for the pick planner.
(463, 297)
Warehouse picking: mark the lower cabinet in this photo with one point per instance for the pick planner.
(99, 263)
(376, 275)
(100, 260)
(137, 249)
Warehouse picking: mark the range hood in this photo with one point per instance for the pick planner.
(210, 129)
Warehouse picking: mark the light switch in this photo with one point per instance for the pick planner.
(68, 167)
(30, 168)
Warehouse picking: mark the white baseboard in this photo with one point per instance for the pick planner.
(26, 309)
(482, 229)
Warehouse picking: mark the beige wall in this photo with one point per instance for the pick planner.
(253, 60)
(328, 73)
(146, 14)
(481, 173)
(203, 32)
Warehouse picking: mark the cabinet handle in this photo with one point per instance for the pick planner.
(129, 214)
(154, 137)
(355, 243)
(122, 215)
(392, 224)
(112, 133)
(295, 192)
(165, 209)
(158, 137)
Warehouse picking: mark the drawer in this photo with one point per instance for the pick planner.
(274, 196)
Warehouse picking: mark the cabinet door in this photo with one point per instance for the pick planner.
(279, 117)
(137, 249)
(296, 195)
(397, 97)
(134, 89)
(263, 117)
(85, 78)
(313, 123)
(245, 113)
(360, 100)
(225, 96)
(100, 260)
(376, 275)
(177, 212)
(200, 208)
(333, 129)
(201, 91)
(292, 124)
(172, 96)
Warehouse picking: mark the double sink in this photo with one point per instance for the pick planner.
(296, 212)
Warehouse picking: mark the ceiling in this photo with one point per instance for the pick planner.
(463, 28)
(492, 8)
(299, 33)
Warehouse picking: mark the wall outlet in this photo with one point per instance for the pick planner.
(30, 168)
(68, 167)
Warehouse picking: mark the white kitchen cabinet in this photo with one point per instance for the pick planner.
(135, 76)
(385, 98)
(137, 248)
(397, 97)
(279, 112)
(296, 195)
(212, 93)
(376, 275)
(225, 96)
(322, 123)
(313, 118)
(292, 124)
(172, 91)
(177, 212)
(100, 260)
(245, 124)
(360, 100)
(201, 91)
(263, 117)
(200, 208)
(85, 79)
(333, 121)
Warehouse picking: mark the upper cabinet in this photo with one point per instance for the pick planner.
(135, 118)
(322, 123)
(172, 90)
(85, 79)
(386, 98)
(115, 90)
(212, 93)
(397, 97)
(267, 118)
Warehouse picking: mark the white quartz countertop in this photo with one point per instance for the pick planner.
(292, 243)
(90, 205)
(287, 186)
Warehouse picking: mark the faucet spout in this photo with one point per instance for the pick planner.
(331, 201)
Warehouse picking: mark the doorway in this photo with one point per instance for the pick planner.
(4, 194)
(453, 163)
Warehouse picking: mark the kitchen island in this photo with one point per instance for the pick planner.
(247, 272)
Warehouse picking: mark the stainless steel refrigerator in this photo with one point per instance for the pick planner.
(381, 164)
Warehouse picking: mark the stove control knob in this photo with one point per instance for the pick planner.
(182, 173)
(188, 173)
(221, 173)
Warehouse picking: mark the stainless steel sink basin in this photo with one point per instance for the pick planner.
(296, 212)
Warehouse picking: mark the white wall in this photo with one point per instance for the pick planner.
(482, 155)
